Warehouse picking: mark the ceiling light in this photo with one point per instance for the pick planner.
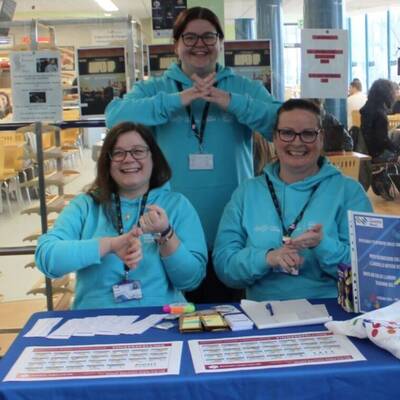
(107, 5)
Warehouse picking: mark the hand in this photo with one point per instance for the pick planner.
(200, 88)
(309, 239)
(210, 93)
(287, 258)
(155, 220)
(128, 247)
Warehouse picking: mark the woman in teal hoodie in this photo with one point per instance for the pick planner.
(283, 234)
(203, 117)
(130, 240)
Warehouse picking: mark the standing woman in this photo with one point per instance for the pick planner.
(130, 240)
(203, 117)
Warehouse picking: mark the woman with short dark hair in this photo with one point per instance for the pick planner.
(130, 240)
(290, 244)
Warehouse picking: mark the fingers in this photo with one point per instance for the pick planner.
(133, 252)
(155, 220)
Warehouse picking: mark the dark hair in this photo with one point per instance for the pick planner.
(356, 83)
(104, 185)
(299, 104)
(382, 93)
(191, 14)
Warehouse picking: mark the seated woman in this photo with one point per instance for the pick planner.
(129, 239)
(283, 233)
(374, 121)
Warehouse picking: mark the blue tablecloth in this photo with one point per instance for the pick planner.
(375, 379)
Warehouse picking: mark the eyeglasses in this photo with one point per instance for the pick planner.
(190, 39)
(137, 152)
(306, 136)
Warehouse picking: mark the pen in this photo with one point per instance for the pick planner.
(269, 308)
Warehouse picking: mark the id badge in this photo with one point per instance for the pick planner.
(127, 290)
(201, 161)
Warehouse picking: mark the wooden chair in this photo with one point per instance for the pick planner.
(356, 118)
(394, 121)
(348, 162)
(9, 182)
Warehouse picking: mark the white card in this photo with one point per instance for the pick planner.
(201, 161)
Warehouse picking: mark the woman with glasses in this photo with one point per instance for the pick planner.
(130, 240)
(283, 233)
(203, 116)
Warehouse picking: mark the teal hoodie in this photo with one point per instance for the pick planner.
(250, 226)
(73, 244)
(228, 134)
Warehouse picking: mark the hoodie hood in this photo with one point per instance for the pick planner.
(175, 72)
(326, 170)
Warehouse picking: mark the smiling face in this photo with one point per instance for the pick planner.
(298, 160)
(131, 176)
(199, 59)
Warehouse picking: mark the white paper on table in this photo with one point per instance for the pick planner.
(272, 351)
(286, 313)
(66, 330)
(144, 324)
(42, 327)
(113, 324)
(97, 361)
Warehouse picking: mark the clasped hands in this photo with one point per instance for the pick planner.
(288, 257)
(128, 246)
(203, 88)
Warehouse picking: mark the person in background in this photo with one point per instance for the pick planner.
(336, 137)
(203, 117)
(355, 100)
(374, 121)
(290, 244)
(396, 105)
(130, 240)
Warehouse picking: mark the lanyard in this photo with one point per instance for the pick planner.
(288, 232)
(119, 216)
(199, 133)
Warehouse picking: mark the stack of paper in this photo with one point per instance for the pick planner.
(238, 322)
(285, 313)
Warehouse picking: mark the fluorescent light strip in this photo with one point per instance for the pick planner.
(107, 5)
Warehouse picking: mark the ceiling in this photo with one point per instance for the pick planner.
(141, 9)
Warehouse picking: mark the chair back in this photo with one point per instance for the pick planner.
(347, 164)
(356, 118)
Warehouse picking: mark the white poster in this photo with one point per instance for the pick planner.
(36, 85)
(324, 63)
(271, 351)
(97, 361)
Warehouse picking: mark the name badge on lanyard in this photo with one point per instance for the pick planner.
(127, 290)
(201, 161)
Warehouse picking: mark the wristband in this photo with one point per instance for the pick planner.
(166, 231)
(164, 239)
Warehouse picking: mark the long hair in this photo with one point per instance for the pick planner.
(191, 14)
(382, 93)
(104, 185)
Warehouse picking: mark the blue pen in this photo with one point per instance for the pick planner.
(269, 308)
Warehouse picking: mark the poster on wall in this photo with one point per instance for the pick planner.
(101, 78)
(164, 14)
(324, 63)
(36, 85)
(250, 58)
(161, 56)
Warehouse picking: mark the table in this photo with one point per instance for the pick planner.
(377, 378)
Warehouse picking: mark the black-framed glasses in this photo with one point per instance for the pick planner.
(190, 39)
(306, 136)
(137, 152)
